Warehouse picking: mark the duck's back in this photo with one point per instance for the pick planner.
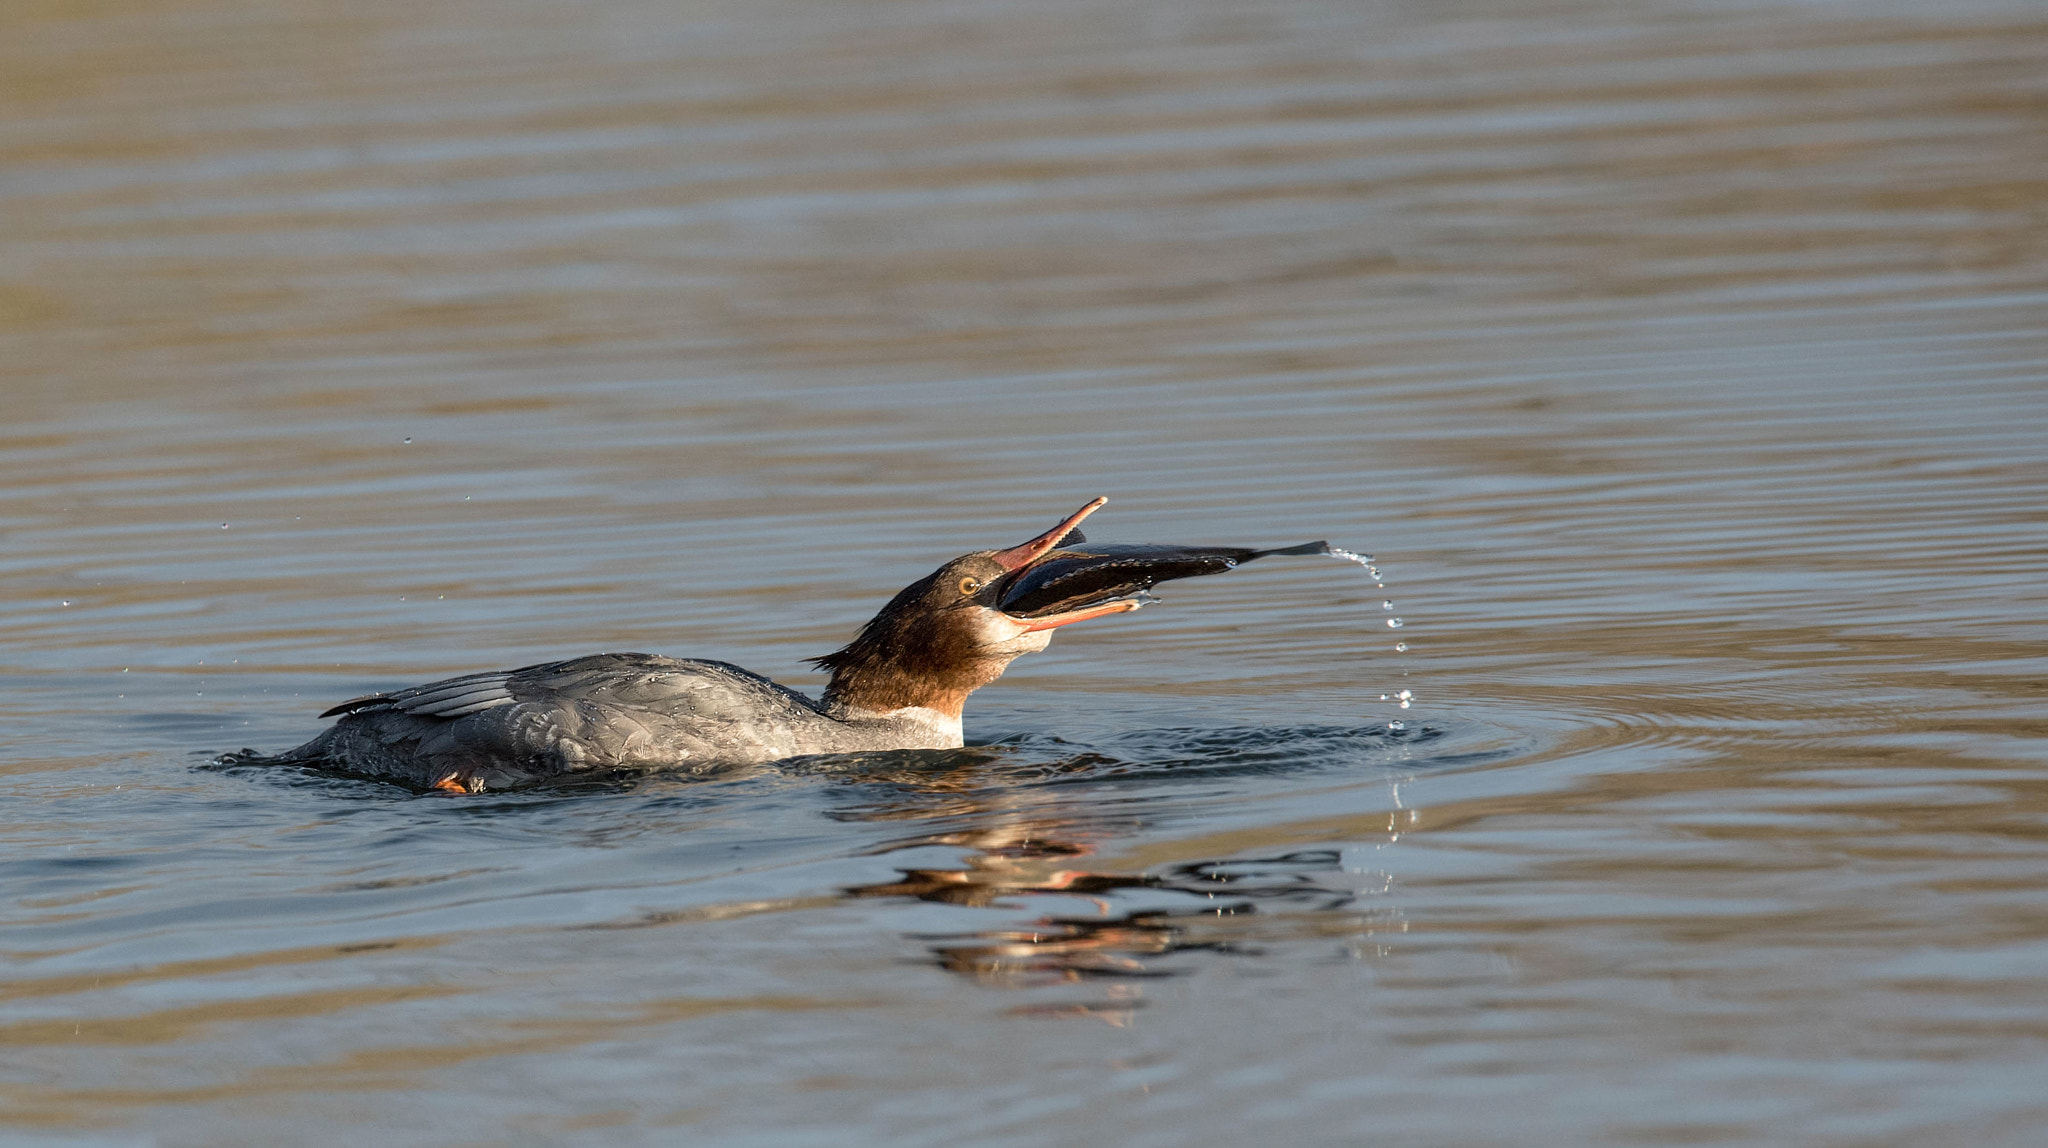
(604, 711)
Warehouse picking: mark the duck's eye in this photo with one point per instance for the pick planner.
(969, 587)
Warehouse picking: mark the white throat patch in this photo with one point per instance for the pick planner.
(943, 732)
(938, 723)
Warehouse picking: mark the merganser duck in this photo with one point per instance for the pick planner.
(900, 684)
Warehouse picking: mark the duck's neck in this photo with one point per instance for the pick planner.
(907, 709)
(924, 662)
(873, 687)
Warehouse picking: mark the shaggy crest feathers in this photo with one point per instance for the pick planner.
(873, 640)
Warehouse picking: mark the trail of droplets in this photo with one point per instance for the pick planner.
(1404, 698)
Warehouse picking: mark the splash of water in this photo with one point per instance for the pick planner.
(1405, 698)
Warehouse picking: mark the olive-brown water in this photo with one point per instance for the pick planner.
(1683, 365)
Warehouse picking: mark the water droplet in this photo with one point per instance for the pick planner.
(1348, 556)
(1386, 605)
(1383, 697)
(223, 526)
(1404, 695)
(63, 601)
(1400, 647)
(408, 438)
(1405, 703)
(1397, 723)
(1394, 623)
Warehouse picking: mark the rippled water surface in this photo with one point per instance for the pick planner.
(1682, 364)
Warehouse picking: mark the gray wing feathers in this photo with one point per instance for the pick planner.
(456, 698)
(445, 699)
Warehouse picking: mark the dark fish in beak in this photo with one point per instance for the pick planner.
(1077, 583)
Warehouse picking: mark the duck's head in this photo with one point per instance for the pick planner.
(957, 629)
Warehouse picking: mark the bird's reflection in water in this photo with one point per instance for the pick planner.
(1022, 846)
